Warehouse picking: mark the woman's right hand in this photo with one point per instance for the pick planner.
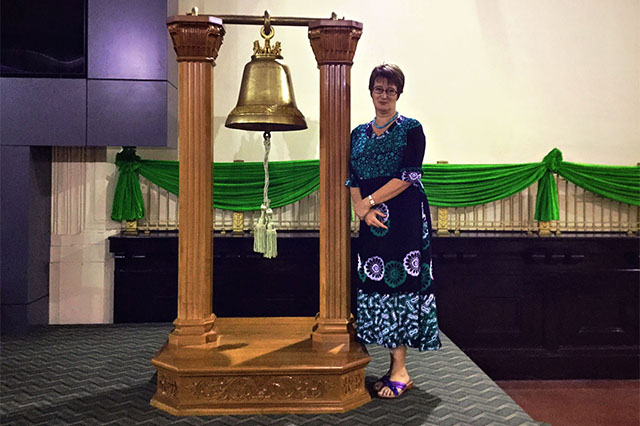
(371, 218)
(362, 208)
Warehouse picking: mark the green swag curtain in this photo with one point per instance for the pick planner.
(238, 186)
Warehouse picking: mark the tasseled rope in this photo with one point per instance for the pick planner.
(264, 233)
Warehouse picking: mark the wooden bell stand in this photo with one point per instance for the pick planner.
(212, 366)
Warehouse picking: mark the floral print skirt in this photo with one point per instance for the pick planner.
(396, 304)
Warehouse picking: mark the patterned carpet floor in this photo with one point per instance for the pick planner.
(102, 374)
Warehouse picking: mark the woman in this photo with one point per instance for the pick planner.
(396, 305)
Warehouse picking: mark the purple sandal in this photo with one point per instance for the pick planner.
(398, 388)
(380, 383)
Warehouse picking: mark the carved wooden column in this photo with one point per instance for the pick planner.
(196, 40)
(334, 44)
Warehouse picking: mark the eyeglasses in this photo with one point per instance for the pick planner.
(390, 91)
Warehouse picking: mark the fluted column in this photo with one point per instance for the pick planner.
(334, 43)
(196, 40)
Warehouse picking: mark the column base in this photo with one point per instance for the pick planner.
(333, 334)
(193, 332)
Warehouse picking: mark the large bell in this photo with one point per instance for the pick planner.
(266, 101)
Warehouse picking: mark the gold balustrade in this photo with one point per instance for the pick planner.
(580, 211)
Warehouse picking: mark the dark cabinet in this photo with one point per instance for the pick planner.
(245, 284)
(519, 306)
(548, 308)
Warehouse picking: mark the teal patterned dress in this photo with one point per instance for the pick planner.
(396, 302)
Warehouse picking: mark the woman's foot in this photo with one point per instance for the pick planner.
(396, 388)
(379, 384)
(399, 381)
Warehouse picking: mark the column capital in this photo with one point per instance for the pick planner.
(196, 38)
(334, 41)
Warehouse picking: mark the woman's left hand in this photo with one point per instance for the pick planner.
(372, 218)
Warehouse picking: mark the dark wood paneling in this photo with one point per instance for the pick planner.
(548, 308)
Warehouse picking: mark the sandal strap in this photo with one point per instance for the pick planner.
(395, 387)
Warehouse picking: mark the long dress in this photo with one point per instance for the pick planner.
(395, 297)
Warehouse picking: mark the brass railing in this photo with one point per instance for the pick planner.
(580, 211)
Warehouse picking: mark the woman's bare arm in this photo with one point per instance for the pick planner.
(356, 199)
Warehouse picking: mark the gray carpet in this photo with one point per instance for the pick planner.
(97, 375)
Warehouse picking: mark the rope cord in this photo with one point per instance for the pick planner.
(267, 149)
(264, 233)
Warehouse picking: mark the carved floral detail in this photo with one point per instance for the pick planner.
(334, 45)
(353, 382)
(167, 385)
(259, 388)
(196, 41)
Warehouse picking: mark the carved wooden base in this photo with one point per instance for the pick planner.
(260, 366)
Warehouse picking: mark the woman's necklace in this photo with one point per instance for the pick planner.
(385, 124)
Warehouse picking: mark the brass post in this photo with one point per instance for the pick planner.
(443, 215)
(131, 227)
(237, 228)
(238, 223)
(544, 228)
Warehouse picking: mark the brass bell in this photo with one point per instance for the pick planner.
(266, 101)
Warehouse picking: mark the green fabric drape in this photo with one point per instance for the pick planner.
(618, 183)
(238, 186)
(127, 200)
(547, 198)
(461, 185)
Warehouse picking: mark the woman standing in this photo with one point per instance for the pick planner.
(396, 305)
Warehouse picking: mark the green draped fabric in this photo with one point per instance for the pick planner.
(461, 185)
(614, 182)
(127, 200)
(238, 186)
(547, 198)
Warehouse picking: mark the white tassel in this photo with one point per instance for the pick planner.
(265, 238)
(271, 243)
(259, 232)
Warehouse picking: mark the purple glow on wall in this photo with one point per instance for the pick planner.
(126, 42)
